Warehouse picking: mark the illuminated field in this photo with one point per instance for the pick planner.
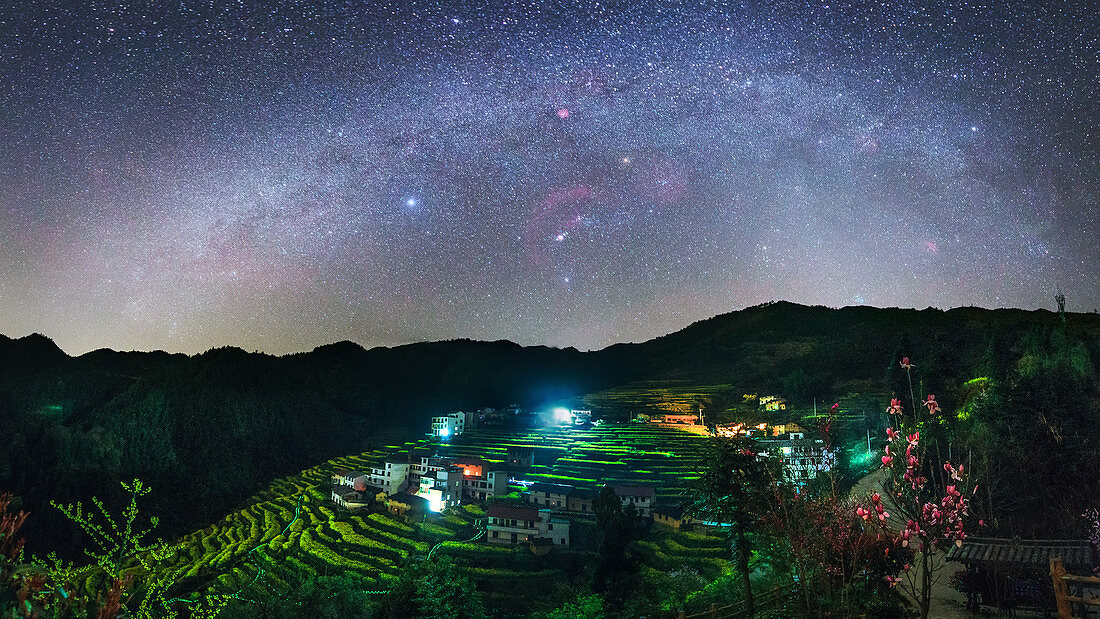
(267, 545)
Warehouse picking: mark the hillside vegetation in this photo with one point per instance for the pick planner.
(208, 431)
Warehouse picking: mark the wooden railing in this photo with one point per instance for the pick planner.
(1065, 601)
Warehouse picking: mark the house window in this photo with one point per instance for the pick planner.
(550, 527)
(495, 534)
(563, 541)
(513, 538)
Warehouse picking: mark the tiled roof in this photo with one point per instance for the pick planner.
(409, 499)
(1075, 554)
(642, 491)
(584, 493)
(512, 511)
(551, 488)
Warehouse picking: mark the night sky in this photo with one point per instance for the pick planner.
(573, 174)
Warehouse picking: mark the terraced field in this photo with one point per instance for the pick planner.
(647, 454)
(291, 530)
(650, 397)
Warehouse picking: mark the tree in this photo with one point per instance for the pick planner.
(616, 528)
(432, 590)
(930, 497)
(825, 545)
(731, 491)
(585, 607)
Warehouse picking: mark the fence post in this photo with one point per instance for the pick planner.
(714, 610)
(1061, 590)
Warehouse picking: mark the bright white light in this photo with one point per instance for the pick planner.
(445, 432)
(411, 202)
(786, 451)
(435, 502)
(561, 415)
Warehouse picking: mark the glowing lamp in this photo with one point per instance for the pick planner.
(561, 415)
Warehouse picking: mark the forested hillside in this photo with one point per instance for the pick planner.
(208, 430)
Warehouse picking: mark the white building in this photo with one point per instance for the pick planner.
(392, 477)
(442, 488)
(641, 497)
(803, 459)
(516, 524)
(481, 487)
(451, 425)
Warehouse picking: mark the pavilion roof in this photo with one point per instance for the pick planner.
(1075, 554)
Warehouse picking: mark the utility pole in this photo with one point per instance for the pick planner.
(1061, 299)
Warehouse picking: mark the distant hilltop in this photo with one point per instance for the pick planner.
(231, 420)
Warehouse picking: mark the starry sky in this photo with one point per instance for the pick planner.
(282, 175)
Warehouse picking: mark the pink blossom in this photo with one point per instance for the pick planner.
(905, 363)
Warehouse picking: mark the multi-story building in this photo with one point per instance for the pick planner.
(580, 417)
(517, 524)
(580, 500)
(803, 459)
(481, 487)
(442, 488)
(521, 457)
(554, 496)
(448, 426)
(392, 476)
(641, 497)
(352, 489)
(345, 477)
(511, 524)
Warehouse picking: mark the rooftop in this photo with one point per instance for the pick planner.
(551, 488)
(1075, 554)
(642, 491)
(512, 511)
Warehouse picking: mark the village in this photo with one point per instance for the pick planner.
(521, 510)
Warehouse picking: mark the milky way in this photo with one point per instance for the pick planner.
(282, 176)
